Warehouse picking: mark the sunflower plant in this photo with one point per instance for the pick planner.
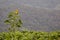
(13, 20)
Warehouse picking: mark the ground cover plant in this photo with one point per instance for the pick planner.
(29, 35)
(14, 22)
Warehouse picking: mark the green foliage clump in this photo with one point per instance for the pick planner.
(13, 19)
(29, 35)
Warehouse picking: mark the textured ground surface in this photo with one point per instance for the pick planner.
(42, 15)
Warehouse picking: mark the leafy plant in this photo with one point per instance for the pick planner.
(13, 19)
(29, 35)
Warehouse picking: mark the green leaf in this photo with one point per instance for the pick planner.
(9, 16)
(7, 21)
(18, 25)
(20, 21)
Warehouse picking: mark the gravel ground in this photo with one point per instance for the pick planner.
(39, 15)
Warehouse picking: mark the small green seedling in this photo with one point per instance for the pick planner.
(13, 19)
